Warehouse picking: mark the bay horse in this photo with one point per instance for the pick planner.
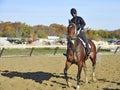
(76, 54)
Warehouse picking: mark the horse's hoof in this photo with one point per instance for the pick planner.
(69, 84)
(78, 87)
(94, 79)
(86, 82)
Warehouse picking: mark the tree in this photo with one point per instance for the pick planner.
(117, 33)
(8, 30)
(26, 31)
(59, 29)
(103, 33)
(22, 30)
(92, 34)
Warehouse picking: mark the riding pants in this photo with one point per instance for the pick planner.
(83, 37)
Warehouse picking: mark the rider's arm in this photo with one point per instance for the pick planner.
(82, 23)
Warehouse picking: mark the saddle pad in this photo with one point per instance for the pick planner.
(84, 44)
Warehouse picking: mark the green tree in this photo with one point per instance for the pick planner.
(25, 30)
(92, 34)
(42, 34)
(117, 33)
(103, 33)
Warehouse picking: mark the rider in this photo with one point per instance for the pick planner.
(80, 23)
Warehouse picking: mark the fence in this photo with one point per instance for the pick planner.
(113, 48)
(32, 48)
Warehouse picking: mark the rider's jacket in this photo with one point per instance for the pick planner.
(79, 22)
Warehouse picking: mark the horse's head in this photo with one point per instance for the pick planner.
(71, 30)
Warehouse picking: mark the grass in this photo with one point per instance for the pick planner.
(104, 50)
(36, 51)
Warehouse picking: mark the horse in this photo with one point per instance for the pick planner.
(76, 55)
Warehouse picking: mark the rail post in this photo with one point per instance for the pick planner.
(2, 51)
(56, 50)
(116, 49)
(31, 51)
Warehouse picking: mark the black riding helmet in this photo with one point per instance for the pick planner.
(73, 11)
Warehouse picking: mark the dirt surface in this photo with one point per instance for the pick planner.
(45, 72)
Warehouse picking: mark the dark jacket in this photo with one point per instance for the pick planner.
(79, 22)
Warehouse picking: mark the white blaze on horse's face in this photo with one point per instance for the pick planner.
(74, 33)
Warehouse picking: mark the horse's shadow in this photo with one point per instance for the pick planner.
(36, 76)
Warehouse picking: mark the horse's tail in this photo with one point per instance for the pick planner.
(95, 50)
(98, 58)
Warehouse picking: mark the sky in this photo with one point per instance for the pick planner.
(98, 14)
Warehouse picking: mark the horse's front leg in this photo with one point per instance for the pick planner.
(80, 65)
(67, 66)
(65, 73)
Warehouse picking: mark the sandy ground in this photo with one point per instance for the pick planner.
(45, 72)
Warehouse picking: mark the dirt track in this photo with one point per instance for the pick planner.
(45, 72)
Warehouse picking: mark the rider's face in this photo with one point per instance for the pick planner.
(74, 15)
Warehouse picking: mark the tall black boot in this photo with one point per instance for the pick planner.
(87, 49)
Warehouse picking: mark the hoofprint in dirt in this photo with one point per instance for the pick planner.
(45, 72)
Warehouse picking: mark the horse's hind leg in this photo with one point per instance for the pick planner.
(67, 66)
(85, 71)
(93, 59)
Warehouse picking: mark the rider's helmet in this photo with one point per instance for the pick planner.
(73, 11)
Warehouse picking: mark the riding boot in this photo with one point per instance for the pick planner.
(87, 49)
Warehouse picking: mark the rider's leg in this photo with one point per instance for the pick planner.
(82, 35)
